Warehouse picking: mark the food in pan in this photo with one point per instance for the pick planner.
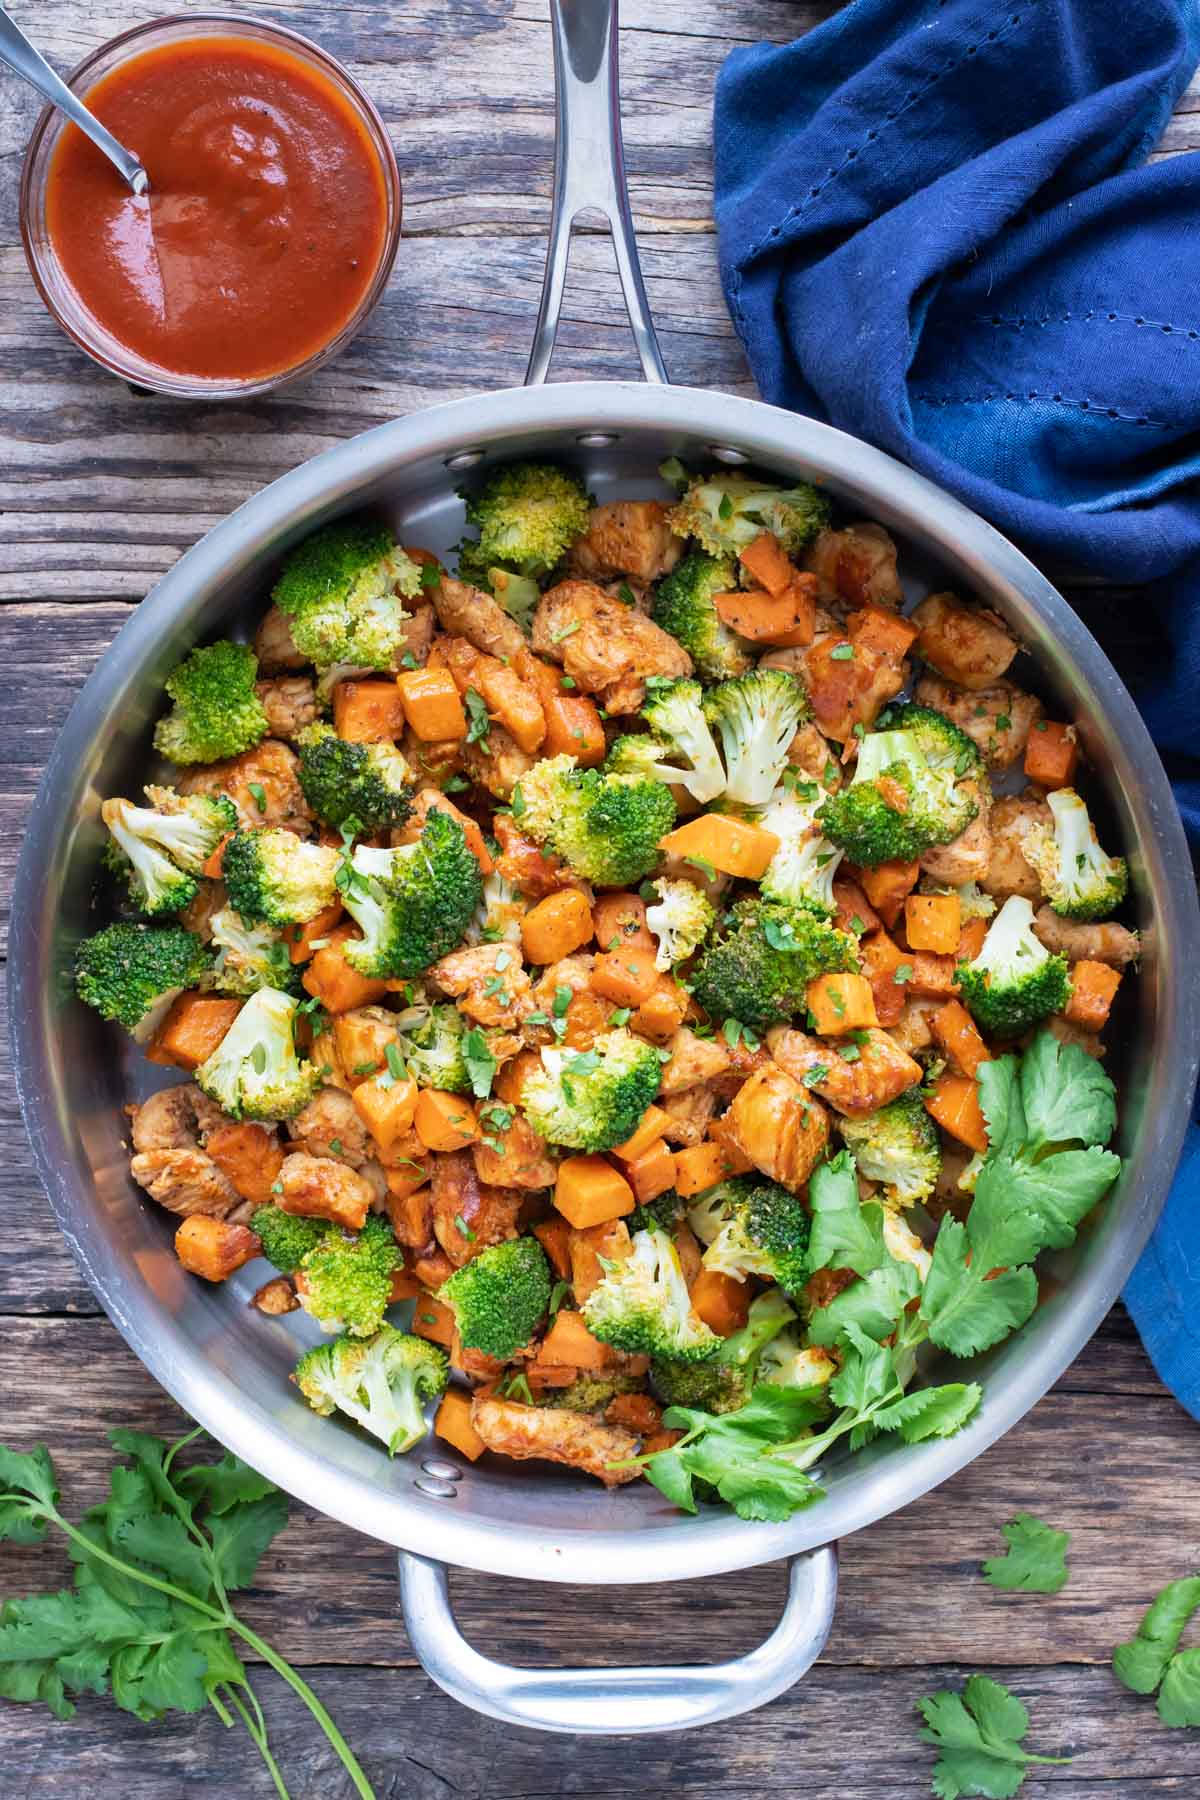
(642, 992)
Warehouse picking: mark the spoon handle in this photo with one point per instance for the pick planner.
(21, 57)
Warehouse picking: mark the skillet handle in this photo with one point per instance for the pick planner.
(618, 1702)
(589, 171)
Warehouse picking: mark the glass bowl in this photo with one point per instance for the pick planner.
(59, 294)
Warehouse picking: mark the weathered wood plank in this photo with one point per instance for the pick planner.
(326, 1594)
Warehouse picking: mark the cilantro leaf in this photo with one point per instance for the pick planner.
(726, 1451)
(1035, 1561)
(161, 1541)
(845, 1233)
(967, 1312)
(225, 1484)
(152, 1679)
(1066, 1095)
(932, 1412)
(1000, 1099)
(29, 1473)
(1141, 1663)
(872, 1304)
(481, 1065)
(978, 1733)
(1179, 1696)
(240, 1536)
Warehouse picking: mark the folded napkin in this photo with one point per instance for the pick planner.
(938, 230)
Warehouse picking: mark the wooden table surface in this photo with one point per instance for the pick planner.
(101, 491)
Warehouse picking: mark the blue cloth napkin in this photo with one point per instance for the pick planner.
(938, 230)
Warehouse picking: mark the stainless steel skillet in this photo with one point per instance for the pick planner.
(226, 1364)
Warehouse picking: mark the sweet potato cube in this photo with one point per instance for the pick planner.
(626, 977)
(250, 1156)
(722, 1301)
(728, 845)
(213, 1248)
(303, 941)
(433, 1319)
(330, 979)
(956, 1034)
(368, 712)
(652, 1173)
(756, 615)
(970, 939)
(1093, 988)
(930, 977)
(954, 1104)
(445, 1121)
(766, 560)
(589, 1191)
(881, 958)
(881, 629)
(734, 1158)
(620, 921)
(192, 1030)
(887, 885)
(556, 926)
(610, 1241)
(698, 1168)
(662, 1012)
(574, 728)
(431, 705)
(452, 1423)
(651, 1128)
(933, 922)
(841, 1003)
(1051, 754)
(553, 1235)
(569, 1343)
(386, 1107)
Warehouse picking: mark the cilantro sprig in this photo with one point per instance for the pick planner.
(1035, 1561)
(979, 1735)
(1153, 1660)
(148, 1618)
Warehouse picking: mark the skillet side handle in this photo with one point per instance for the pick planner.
(618, 1702)
(589, 171)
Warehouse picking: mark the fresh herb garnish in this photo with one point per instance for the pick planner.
(978, 1733)
(481, 1065)
(1035, 1561)
(479, 725)
(259, 794)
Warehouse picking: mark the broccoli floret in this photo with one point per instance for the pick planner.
(758, 965)
(382, 1382)
(276, 878)
(370, 784)
(754, 1227)
(680, 919)
(217, 712)
(499, 1296)
(973, 903)
(593, 1099)
(911, 788)
(498, 917)
(527, 516)
(683, 606)
(604, 824)
(345, 1281)
(414, 903)
(897, 1145)
(248, 957)
(591, 1393)
(801, 871)
(156, 884)
(642, 1305)
(1014, 981)
(254, 1072)
(674, 711)
(341, 590)
(663, 1213)
(757, 716)
(1077, 878)
(133, 973)
(432, 1043)
(787, 1361)
(723, 1382)
(287, 1238)
(724, 513)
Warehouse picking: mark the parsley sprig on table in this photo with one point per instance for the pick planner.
(148, 1618)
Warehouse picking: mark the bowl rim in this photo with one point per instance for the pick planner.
(680, 1547)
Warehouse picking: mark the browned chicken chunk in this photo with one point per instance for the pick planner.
(496, 762)
(968, 645)
(880, 1073)
(489, 982)
(522, 1160)
(416, 635)
(331, 1126)
(1007, 872)
(466, 611)
(693, 1060)
(275, 646)
(290, 703)
(857, 565)
(967, 857)
(460, 1198)
(626, 537)
(1106, 942)
(847, 691)
(608, 649)
(778, 1123)
(689, 1114)
(276, 1298)
(185, 1182)
(998, 719)
(555, 1435)
(263, 783)
(317, 1187)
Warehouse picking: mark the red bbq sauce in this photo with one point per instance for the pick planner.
(267, 216)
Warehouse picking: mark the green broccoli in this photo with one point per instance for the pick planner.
(911, 788)
(642, 1305)
(787, 1361)
(276, 878)
(432, 1044)
(801, 871)
(897, 1145)
(683, 606)
(756, 716)
(527, 516)
(606, 825)
(254, 1072)
(498, 917)
(499, 1296)
(593, 1099)
(341, 591)
(723, 1382)
(1077, 878)
(663, 1213)
(680, 919)
(382, 1382)
(369, 785)
(973, 903)
(674, 711)
(759, 963)
(752, 1226)
(217, 713)
(286, 1237)
(248, 957)
(132, 974)
(1014, 981)
(156, 884)
(590, 1393)
(414, 902)
(725, 513)
(345, 1281)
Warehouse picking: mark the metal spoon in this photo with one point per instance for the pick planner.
(21, 57)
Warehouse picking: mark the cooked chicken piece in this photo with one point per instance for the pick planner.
(642, 596)
(555, 1435)
(375, 1175)
(290, 703)
(324, 1053)
(967, 857)
(497, 763)
(268, 773)
(209, 899)
(1007, 871)
(533, 871)
(880, 1073)
(693, 1060)
(176, 1118)
(488, 981)
(248, 1155)
(460, 1198)
(275, 646)
(362, 1036)
(1066, 1033)
(857, 565)
(214, 1248)
(780, 1126)
(416, 636)
(824, 1287)
(679, 868)
(316, 1187)
(432, 762)
(810, 753)
(185, 1181)
(411, 1218)
(608, 649)
(742, 1064)
(574, 972)
(968, 645)
(849, 690)
(626, 537)
(330, 1126)
(998, 719)
(466, 611)
(511, 701)
(1107, 942)
(275, 1298)
(689, 1114)
(524, 1163)
(854, 911)
(911, 1030)
(588, 1015)
(586, 1248)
